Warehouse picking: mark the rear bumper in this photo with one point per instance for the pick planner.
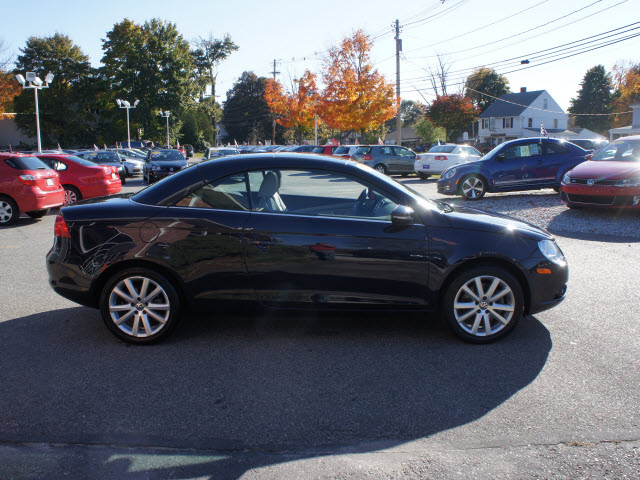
(37, 199)
(103, 189)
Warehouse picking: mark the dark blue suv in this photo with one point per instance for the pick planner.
(523, 164)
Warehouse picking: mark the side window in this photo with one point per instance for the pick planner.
(58, 166)
(404, 152)
(553, 148)
(472, 151)
(230, 193)
(522, 150)
(386, 151)
(317, 193)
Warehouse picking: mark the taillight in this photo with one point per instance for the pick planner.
(60, 228)
(418, 157)
(367, 157)
(440, 157)
(28, 179)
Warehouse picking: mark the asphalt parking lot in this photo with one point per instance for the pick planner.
(299, 395)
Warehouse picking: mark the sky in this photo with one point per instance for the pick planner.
(465, 33)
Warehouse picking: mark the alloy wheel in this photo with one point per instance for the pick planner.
(139, 306)
(484, 305)
(70, 197)
(473, 188)
(6, 212)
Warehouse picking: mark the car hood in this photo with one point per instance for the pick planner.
(606, 170)
(467, 218)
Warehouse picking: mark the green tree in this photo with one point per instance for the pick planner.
(485, 80)
(210, 52)
(410, 113)
(453, 112)
(64, 106)
(595, 96)
(429, 133)
(246, 115)
(196, 128)
(151, 63)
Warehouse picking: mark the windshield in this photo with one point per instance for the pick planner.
(442, 149)
(619, 151)
(341, 150)
(102, 157)
(166, 156)
(80, 161)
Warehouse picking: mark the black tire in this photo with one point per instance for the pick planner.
(123, 179)
(423, 176)
(469, 321)
(71, 195)
(9, 212)
(128, 330)
(556, 189)
(38, 213)
(477, 187)
(381, 168)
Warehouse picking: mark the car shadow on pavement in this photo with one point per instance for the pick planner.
(230, 391)
(597, 225)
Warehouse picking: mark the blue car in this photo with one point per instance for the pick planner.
(523, 164)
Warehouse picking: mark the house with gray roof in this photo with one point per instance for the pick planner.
(518, 115)
(633, 129)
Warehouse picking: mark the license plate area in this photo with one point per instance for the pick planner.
(50, 182)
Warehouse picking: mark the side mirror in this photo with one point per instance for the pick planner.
(588, 156)
(402, 215)
(500, 157)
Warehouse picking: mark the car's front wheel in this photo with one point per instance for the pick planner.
(473, 187)
(140, 306)
(483, 304)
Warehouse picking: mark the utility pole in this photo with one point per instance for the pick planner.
(273, 132)
(398, 50)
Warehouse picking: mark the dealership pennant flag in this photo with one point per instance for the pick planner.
(543, 131)
(334, 141)
(438, 140)
(357, 141)
(235, 143)
(10, 149)
(105, 146)
(59, 147)
(380, 142)
(259, 143)
(177, 144)
(95, 147)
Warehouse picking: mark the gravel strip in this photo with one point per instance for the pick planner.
(544, 209)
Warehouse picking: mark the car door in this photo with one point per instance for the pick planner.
(405, 159)
(516, 166)
(387, 157)
(555, 159)
(325, 239)
(200, 236)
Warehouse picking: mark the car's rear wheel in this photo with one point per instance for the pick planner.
(140, 305)
(473, 187)
(38, 213)
(423, 176)
(483, 304)
(381, 168)
(9, 212)
(71, 195)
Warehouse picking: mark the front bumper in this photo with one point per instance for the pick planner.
(448, 186)
(604, 196)
(547, 290)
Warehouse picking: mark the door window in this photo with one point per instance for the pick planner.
(230, 193)
(553, 148)
(317, 193)
(404, 152)
(386, 151)
(522, 150)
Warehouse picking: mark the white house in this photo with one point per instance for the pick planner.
(633, 129)
(517, 115)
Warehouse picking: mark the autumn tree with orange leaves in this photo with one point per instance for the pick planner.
(9, 88)
(294, 110)
(356, 96)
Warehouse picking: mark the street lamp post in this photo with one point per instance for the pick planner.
(166, 115)
(32, 81)
(127, 106)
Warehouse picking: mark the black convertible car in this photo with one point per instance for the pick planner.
(299, 231)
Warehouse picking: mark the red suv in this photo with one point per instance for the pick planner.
(81, 178)
(27, 185)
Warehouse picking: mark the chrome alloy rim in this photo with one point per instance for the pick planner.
(472, 187)
(139, 306)
(380, 168)
(6, 212)
(70, 197)
(484, 305)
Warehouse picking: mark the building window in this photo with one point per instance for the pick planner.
(507, 122)
(530, 123)
(485, 123)
(544, 103)
(555, 123)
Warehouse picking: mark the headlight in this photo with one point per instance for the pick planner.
(628, 182)
(553, 253)
(155, 168)
(566, 179)
(449, 173)
(184, 166)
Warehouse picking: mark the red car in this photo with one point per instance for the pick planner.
(610, 178)
(82, 179)
(27, 185)
(325, 149)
